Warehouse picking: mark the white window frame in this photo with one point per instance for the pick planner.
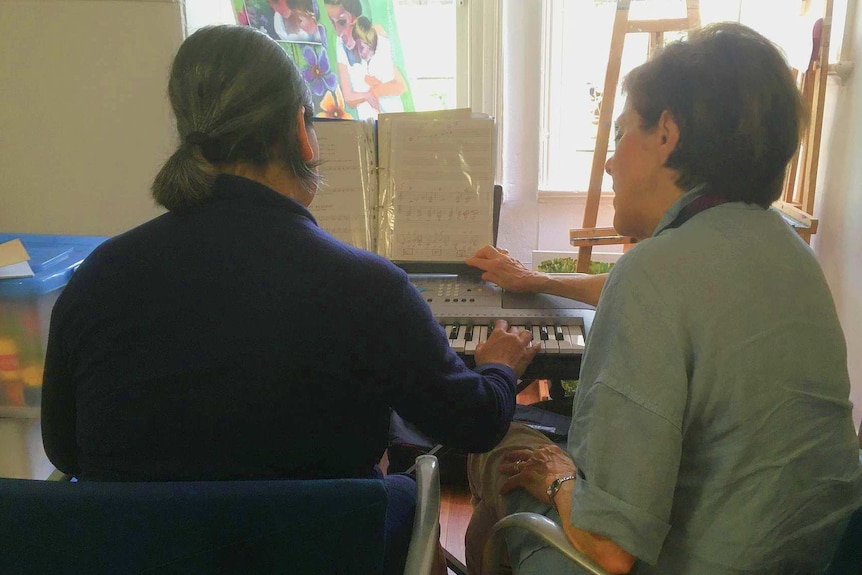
(479, 73)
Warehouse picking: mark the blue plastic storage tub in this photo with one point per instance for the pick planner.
(25, 312)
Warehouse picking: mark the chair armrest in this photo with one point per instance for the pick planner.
(426, 523)
(58, 475)
(546, 530)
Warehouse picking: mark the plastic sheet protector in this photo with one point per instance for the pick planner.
(419, 189)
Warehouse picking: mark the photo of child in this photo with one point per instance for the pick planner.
(282, 20)
(351, 59)
(377, 66)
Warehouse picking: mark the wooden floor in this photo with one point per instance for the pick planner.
(455, 511)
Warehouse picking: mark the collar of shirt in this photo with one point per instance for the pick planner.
(238, 189)
(673, 211)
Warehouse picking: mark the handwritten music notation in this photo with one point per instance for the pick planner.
(440, 181)
(436, 246)
(421, 190)
(412, 215)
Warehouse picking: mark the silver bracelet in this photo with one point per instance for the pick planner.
(555, 486)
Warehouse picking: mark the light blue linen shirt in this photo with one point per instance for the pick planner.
(712, 421)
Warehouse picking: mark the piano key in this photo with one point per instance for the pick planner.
(458, 343)
(564, 344)
(537, 339)
(577, 337)
(549, 344)
(480, 334)
(483, 334)
(468, 333)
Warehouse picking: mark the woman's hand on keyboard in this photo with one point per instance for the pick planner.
(505, 271)
(508, 345)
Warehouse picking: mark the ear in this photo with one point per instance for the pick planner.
(667, 132)
(305, 148)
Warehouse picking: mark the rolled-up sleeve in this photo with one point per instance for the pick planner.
(630, 472)
(626, 435)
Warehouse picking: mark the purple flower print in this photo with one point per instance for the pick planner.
(317, 74)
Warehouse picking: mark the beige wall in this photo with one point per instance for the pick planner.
(84, 120)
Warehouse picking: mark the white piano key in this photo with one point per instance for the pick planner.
(549, 343)
(458, 343)
(470, 346)
(448, 328)
(537, 339)
(562, 337)
(480, 335)
(483, 333)
(577, 338)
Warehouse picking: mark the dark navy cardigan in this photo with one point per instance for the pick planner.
(240, 340)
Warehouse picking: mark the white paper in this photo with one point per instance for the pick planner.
(19, 270)
(345, 202)
(440, 182)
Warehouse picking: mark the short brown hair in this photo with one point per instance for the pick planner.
(735, 101)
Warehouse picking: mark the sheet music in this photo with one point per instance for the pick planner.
(438, 198)
(345, 202)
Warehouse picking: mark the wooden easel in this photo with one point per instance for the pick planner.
(589, 235)
(797, 200)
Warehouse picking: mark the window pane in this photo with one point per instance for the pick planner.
(428, 44)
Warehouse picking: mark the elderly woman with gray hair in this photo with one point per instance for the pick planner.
(232, 338)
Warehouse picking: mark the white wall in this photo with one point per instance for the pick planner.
(838, 243)
(84, 119)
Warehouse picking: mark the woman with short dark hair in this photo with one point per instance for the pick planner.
(711, 430)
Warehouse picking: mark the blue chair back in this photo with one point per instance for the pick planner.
(225, 527)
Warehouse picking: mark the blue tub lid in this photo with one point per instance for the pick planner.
(53, 260)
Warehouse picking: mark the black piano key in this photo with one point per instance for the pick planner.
(543, 333)
(558, 333)
(468, 333)
(454, 333)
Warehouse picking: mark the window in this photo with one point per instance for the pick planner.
(577, 36)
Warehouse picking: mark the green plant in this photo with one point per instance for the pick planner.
(569, 385)
(570, 265)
